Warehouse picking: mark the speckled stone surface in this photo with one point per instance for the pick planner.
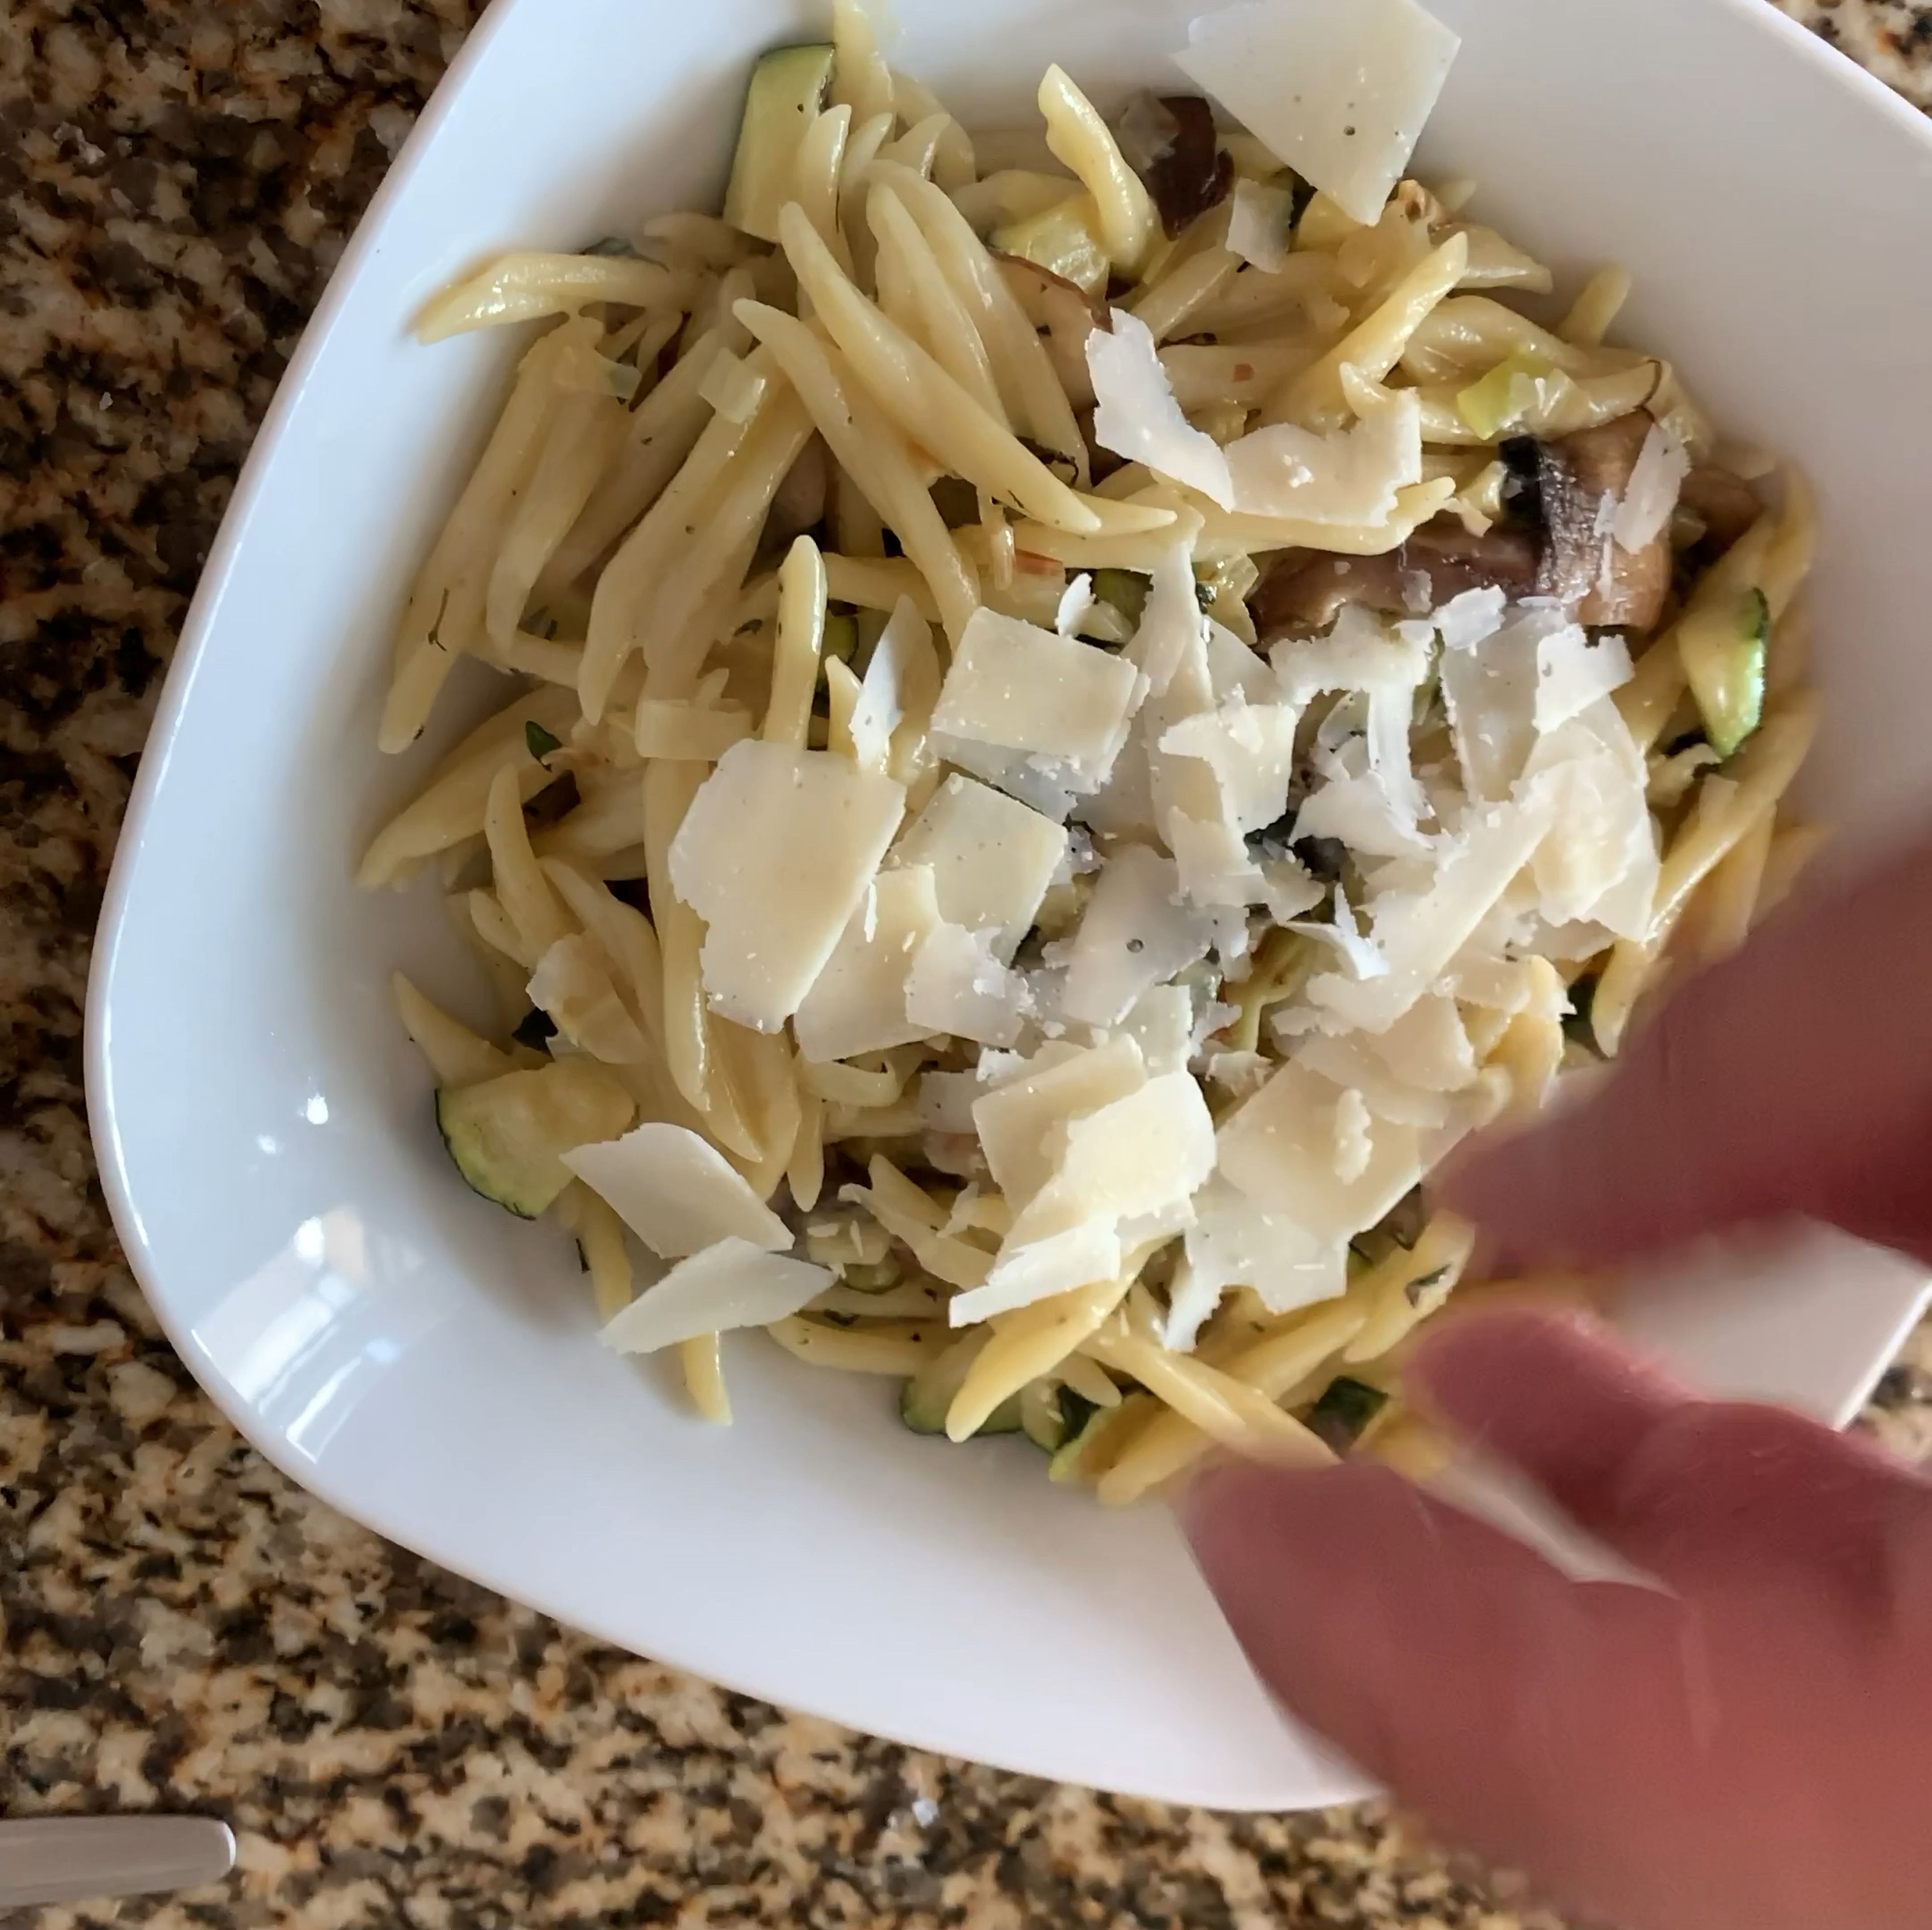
(182, 1628)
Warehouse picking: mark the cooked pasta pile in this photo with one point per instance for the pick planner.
(1082, 705)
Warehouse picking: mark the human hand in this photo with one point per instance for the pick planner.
(1794, 1078)
(1747, 1749)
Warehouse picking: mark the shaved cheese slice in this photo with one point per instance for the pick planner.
(1233, 669)
(991, 859)
(946, 1100)
(1258, 224)
(732, 1284)
(1132, 937)
(572, 982)
(1214, 862)
(1478, 977)
(1137, 417)
(881, 706)
(1357, 810)
(1123, 807)
(1417, 935)
(1651, 495)
(1077, 1257)
(1354, 1138)
(1341, 93)
(1019, 1121)
(1464, 621)
(1279, 1149)
(1573, 673)
(1601, 862)
(858, 1003)
(1135, 1159)
(1349, 476)
(1361, 955)
(1491, 697)
(1019, 688)
(1234, 1242)
(958, 986)
(1075, 601)
(1162, 1024)
(1391, 710)
(1428, 1046)
(1357, 653)
(1191, 1299)
(1346, 1060)
(774, 855)
(676, 1192)
(1250, 749)
(1172, 624)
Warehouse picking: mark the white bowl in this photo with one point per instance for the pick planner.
(427, 1364)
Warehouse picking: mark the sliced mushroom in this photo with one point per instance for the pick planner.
(1065, 316)
(1582, 479)
(1725, 504)
(1171, 142)
(1303, 590)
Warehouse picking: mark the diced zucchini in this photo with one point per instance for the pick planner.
(786, 92)
(1083, 1456)
(1050, 1417)
(841, 637)
(1342, 1416)
(1723, 646)
(925, 1398)
(1126, 590)
(1065, 241)
(507, 1135)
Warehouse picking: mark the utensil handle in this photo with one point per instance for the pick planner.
(57, 1859)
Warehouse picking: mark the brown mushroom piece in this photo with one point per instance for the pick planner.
(1725, 504)
(1170, 141)
(1581, 478)
(1303, 590)
(1064, 315)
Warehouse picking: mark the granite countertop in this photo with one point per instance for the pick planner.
(183, 1628)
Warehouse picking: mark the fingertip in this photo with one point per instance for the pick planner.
(1553, 1392)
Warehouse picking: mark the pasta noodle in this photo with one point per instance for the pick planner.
(1088, 807)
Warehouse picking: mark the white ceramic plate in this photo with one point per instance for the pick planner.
(426, 1364)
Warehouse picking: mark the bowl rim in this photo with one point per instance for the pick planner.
(183, 674)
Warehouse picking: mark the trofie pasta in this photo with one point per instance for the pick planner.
(1082, 704)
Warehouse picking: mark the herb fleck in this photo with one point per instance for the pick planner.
(539, 742)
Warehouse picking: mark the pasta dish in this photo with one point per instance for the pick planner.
(1079, 704)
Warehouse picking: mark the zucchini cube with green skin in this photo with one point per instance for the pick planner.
(786, 95)
(508, 1136)
(1723, 648)
(925, 1399)
(1343, 1414)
